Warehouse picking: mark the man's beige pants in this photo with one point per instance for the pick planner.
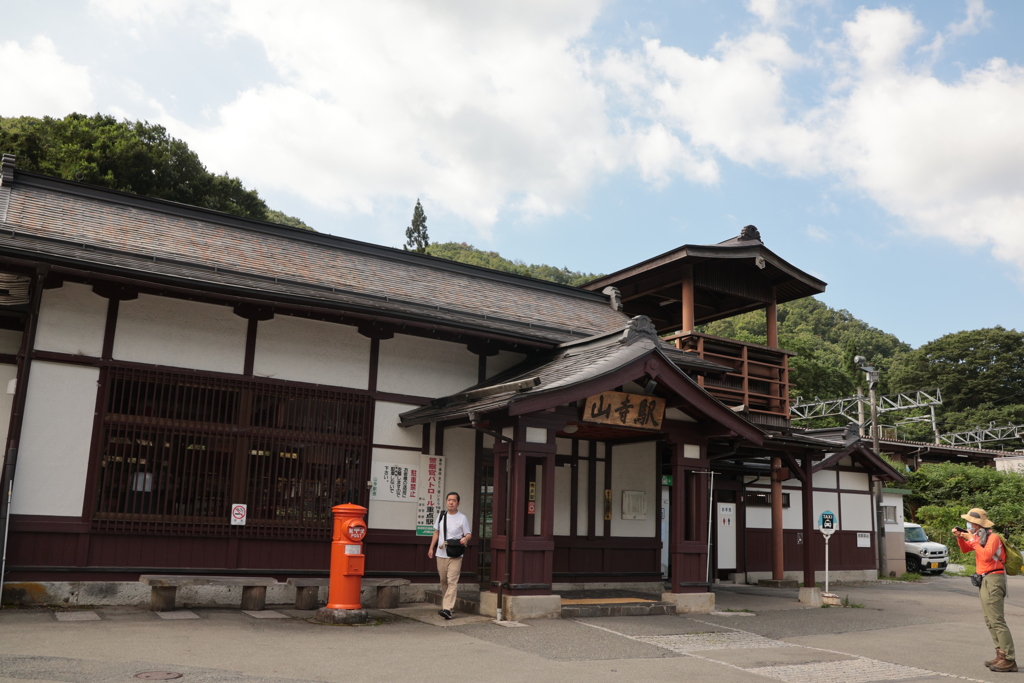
(993, 592)
(449, 568)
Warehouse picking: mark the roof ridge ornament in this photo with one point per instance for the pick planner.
(749, 233)
(614, 297)
(638, 328)
(7, 170)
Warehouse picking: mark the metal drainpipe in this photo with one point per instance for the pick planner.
(498, 436)
(18, 413)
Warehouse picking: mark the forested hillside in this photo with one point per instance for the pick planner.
(136, 157)
(466, 253)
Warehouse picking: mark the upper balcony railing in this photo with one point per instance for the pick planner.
(759, 380)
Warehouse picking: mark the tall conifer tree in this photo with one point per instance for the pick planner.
(416, 238)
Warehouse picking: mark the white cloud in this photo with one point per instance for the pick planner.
(947, 157)
(38, 82)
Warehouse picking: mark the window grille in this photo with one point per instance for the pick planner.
(759, 499)
(177, 450)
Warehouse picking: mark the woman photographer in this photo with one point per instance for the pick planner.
(990, 577)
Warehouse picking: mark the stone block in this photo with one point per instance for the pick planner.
(519, 607)
(810, 596)
(341, 616)
(698, 603)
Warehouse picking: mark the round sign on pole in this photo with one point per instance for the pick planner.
(238, 514)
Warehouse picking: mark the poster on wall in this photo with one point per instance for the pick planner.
(397, 483)
(431, 494)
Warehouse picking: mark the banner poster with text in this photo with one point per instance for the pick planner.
(431, 500)
(393, 482)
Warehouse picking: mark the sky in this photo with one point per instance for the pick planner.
(879, 147)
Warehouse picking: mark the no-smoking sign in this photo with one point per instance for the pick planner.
(238, 514)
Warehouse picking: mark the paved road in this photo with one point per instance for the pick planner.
(929, 631)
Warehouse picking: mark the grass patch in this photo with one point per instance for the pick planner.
(729, 609)
(908, 576)
(856, 605)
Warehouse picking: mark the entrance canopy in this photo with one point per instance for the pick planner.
(576, 371)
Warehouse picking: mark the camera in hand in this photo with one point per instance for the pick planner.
(960, 529)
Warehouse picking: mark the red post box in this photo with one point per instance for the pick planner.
(347, 558)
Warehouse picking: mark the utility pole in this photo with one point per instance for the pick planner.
(872, 376)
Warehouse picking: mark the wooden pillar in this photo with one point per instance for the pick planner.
(686, 299)
(778, 559)
(808, 521)
(772, 319)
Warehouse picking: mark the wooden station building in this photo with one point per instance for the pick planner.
(164, 363)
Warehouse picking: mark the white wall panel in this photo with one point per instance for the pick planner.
(633, 469)
(582, 509)
(563, 500)
(179, 333)
(312, 351)
(857, 512)
(563, 446)
(10, 341)
(759, 517)
(600, 485)
(386, 429)
(827, 501)
(53, 460)
(825, 479)
(503, 361)
(425, 367)
(854, 481)
(459, 463)
(7, 373)
(72, 320)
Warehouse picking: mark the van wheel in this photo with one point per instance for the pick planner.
(913, 564)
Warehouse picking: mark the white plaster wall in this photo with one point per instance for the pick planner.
(857, 512)
(827, 501)
(563, 446)
(10, 341)
(54, 457)
(792, 517)
(896, 500)
(459, 462)
(7, 373)
(502, 362)
(72, 320)
(389, 514)
(600, 486)
(582, 512)
(312, 351)
(425, 367)
(386, 429)
(633, 469)
(179, 333)
(825, 479)
(563, 500)
(854, 481)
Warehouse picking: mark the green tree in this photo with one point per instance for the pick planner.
(825, 341)
(416, 237)
(136, 157)
(275, 216)
(465, 253)
(941, 492)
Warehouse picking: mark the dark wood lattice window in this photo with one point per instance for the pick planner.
(177, 450)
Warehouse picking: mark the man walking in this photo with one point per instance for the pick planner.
(990, 558)
(455, 527)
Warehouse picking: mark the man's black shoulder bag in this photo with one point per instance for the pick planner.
(452, 546)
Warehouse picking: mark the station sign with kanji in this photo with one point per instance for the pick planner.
(625, 410)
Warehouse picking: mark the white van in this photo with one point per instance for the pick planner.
(923, 556)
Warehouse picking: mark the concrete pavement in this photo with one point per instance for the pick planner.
(929, 631)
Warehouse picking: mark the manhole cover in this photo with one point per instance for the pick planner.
(158, 675)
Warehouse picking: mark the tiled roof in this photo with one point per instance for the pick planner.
(154, 239)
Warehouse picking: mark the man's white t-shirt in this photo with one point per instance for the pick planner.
(458, 526)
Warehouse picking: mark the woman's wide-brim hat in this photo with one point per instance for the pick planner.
(979, 517)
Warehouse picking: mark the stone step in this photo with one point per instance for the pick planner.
(463, 604)
(619, 609)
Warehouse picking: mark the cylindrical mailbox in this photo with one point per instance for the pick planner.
(347, 558)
